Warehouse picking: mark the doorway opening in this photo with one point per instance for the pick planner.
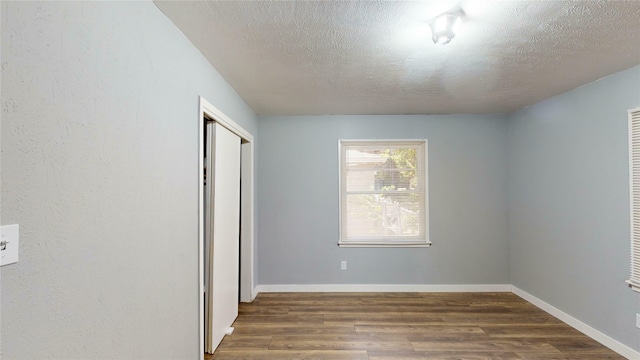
(209, 114)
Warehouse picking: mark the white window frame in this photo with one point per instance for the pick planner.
(422, 240)
(634, 193)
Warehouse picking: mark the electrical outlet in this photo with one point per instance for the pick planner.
(638, 321)
(343, 265)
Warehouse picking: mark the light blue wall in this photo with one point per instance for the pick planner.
(100, 169)
(298, 201)
(569, 203)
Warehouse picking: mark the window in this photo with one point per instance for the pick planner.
(634, 192)
(383, 193)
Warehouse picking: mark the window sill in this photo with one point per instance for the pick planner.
(384, 245)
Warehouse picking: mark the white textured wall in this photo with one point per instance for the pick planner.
(99, 168)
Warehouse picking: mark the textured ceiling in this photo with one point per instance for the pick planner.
(363, 57)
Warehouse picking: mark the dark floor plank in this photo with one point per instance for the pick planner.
(499, 319)
(341, 309)
(245, 309)
(578, 356)
(295, 329)
(290, 355)
(356, 318)
(283, 319)
(532, 331)
(236, 341)
(484, 345)
(422, 330)
(578, 344)
(442, 355)
(464, 309)
(340, 342)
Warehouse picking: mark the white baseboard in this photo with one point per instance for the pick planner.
(596, 335)
(383, 288)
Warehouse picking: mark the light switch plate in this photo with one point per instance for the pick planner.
(9, 237)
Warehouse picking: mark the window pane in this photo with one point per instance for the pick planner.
(394, 214)
(363, 215)
(395, 180)
(363, 180)
(404, 158)
(364, 157)
(389, 158)
(383, 192)
(381, 180)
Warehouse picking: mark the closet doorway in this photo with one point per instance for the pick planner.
(225, 224)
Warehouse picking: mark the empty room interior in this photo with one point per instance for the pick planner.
(319, 180)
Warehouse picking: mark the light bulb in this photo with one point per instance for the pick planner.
(444, 28)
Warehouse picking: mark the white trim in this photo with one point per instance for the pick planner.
(247, 290)
(246, 223)
(224, 120)
(247, 220)
(596, 335)
(420, 240)
(201, 224)
(383, 244)
(384, 288)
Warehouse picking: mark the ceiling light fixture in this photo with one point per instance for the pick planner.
(444, 27)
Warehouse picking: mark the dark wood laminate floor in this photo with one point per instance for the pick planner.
(402, 326)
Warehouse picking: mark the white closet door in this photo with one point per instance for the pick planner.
(224, 249)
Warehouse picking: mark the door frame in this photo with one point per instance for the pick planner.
(247, 292)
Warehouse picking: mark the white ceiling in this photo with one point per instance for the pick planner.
(365, 57)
